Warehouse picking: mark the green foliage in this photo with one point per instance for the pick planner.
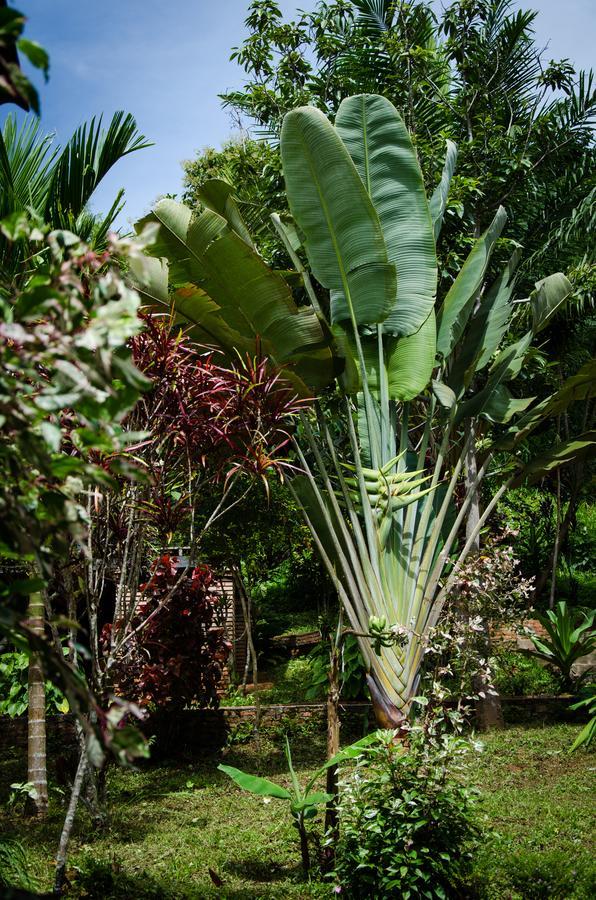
(379, 517)
(571, 635)
(21, 792)
(352, 671)
(581, 547)
(529, 512)
(538, 156)
(42, 185)
(13, 865)
(205, 258)
(62, 348)
(407, 825)
(15, 87)
(519, 674)
(66, 384)
(525, 775)
(544, 875)
(588, 702)
(255, 168)
(14, 689)
(289, 681)
(291, 595)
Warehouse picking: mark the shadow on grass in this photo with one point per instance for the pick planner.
(266, 872)
(103, 880)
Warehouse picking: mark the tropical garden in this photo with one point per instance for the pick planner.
(297, 480)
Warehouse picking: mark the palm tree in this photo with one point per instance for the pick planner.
(55, 185)
(421, 383)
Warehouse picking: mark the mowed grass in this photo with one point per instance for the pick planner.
(171, 824)
(539, 807)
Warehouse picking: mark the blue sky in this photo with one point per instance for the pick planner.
(167, 62)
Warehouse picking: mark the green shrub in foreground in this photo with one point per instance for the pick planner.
(407, 821)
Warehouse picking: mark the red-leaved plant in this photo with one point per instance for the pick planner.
(226, 420)
(177, 649)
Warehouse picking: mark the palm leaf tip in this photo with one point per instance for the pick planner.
(85, 161)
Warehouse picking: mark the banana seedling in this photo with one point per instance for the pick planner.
(304, 802)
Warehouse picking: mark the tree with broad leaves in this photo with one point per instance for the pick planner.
(424, 375)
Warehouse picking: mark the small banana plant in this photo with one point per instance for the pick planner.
(568, 640)
(304, 802)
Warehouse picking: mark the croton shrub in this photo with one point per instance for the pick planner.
(176, 650)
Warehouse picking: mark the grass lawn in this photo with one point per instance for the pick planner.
(170, 824)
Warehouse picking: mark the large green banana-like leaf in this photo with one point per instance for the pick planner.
(408, 361)
(581, 386)
(191, 306)
(224, 287)
(458, 303)
(486, 329)
(502, 405)
(255, 784)
(380, 145)
(577, 448)
(219, 196)
(150, 276)
(438, 201)
(550, 294)
(342, 234)
(506, 366)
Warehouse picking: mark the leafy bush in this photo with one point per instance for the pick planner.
(582, 539)
(14, 691)
(177, 655)
(518, 674)
(352, 671)
(407, 825)
(294, 593)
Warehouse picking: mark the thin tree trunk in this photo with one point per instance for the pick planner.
(61, 856)
(489, 711)
(36, 722)
(333, 726)
(563, 531)
(556, 548)
(245, 602)
(246, 668)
